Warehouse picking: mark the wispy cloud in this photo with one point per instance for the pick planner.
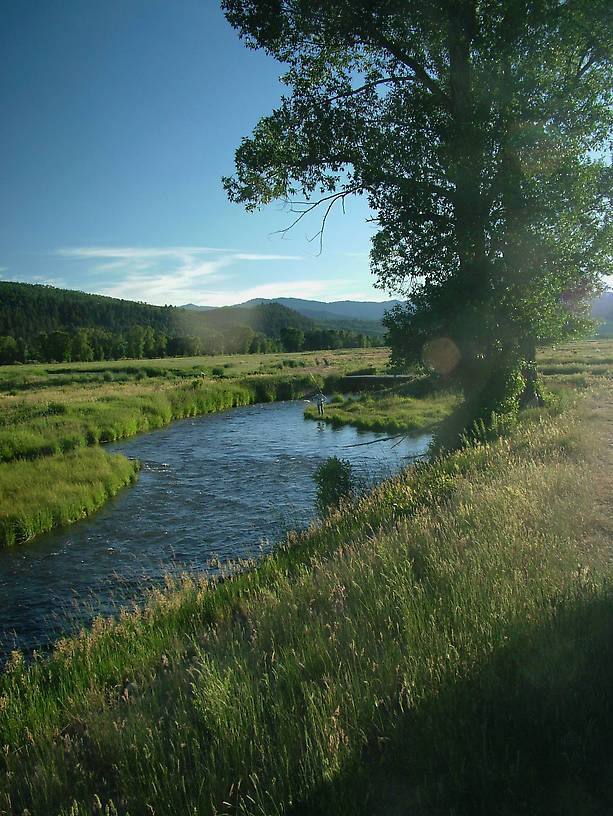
(153, 254)
(254, 256)
(207, 275)
(136, 253)
(161, 275)
(309, 289)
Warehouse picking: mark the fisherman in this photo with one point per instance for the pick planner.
(320, 403)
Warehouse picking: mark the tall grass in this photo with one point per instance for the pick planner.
(37, 376)
(356, 670)
(37, 496)
(42, 428)
(48, 478)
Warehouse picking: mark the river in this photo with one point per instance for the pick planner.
(222, 486)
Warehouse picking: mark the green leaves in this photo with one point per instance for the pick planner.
(473, 130)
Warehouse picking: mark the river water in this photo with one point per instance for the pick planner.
(222, 486)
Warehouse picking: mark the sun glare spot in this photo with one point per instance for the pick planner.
(442, 355)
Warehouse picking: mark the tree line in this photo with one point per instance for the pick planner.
(143, 342)
(42, 323)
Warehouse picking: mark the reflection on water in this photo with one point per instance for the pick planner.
(221, 485)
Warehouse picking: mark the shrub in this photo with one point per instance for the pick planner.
(335, 481)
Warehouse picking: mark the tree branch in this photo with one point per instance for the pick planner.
(332, 199)
(412, 64)
(368, 85)
(583, 69)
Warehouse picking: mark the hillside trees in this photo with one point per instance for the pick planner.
(292, 338)
(475, 131)
(9, 350)
(42, 323)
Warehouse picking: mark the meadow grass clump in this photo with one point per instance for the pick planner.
(37, 496)
(335, 482)
(367, 371)
(25, 443)
(389, 411)
(443, 639)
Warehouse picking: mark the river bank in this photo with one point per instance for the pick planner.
(442, 646)
(48, 474)
(409, 408)
(214, 488)
(52, 416)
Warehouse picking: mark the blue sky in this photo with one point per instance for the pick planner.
(118, 120)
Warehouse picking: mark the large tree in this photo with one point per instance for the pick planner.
(476, 130)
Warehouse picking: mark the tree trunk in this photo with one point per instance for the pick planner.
(532, 395)
(466, 149)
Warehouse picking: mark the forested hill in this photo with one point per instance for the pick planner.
(324, 318)
(27, 309)
(45, 323)
(268, 321)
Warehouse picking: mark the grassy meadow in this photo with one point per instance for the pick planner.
(440, 647)
(51, 416)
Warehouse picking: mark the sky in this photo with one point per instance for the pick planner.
(119, 119)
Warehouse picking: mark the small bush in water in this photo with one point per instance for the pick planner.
(335, 480)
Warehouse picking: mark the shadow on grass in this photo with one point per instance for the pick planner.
(448, 432)
(526, 731)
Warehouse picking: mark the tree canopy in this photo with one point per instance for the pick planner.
(478, 132)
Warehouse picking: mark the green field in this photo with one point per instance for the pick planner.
(442, 646)
(23, 378)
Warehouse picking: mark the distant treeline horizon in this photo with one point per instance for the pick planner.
(44, 324)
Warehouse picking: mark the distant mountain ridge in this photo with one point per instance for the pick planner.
(195, 308)
(350, 315)
(339, 309)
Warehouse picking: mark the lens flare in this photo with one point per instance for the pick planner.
(441, 354)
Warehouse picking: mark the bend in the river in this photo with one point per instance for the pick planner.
(221, 486)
